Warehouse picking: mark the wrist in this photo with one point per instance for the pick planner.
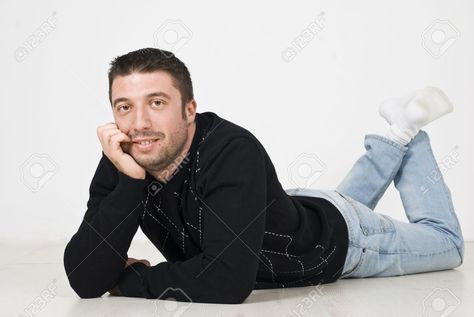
(130, 282)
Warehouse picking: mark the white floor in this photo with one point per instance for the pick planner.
(33, 283)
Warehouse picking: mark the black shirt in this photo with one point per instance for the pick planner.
(223, 222)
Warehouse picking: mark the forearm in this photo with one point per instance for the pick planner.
(193, 280)
(95, 256)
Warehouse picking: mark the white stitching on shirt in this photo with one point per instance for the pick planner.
(314, 267)
(144, 205)
(284, 236)
(302, 271)
(157, 220)
(285, 254)
(182, 238)
(177, 195)
(192, 226)
(163, 213)
(200, 228)
(145, 211)
(271, 266)
(191, 190)
(197, 160)
(286, 249)
(200, 212)
(182, 232)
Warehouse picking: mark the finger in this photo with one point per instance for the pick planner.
(146, 262)
(106, 126)
(105, 134)
(109, 134)
(112, 127)
(109, 129)
(105, 137)
(130, 261)
(118, 138)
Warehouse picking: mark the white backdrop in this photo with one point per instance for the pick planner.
(304, 77)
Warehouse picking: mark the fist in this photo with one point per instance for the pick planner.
(115, 291)
(111, 138)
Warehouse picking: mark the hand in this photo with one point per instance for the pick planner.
(130, 261)
(110, 137)
(115, 291)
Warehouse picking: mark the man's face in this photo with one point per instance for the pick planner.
(148, 106)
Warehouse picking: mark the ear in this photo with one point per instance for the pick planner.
(190, 109)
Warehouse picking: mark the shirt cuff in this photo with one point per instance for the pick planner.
(128, 181)
(130, 282)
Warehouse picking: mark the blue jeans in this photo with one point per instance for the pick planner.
(380, 245)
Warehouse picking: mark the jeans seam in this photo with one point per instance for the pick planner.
(395, 148)
(386, 185)
(389, 229)
(412, 253)
(359, 264)
(352, 234)
(399, 147)
(449, 198)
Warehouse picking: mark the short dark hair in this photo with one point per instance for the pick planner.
(147, 60)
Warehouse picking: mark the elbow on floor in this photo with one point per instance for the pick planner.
(238, 295)
(86, 292)
(239, 299)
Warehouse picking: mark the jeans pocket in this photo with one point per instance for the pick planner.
(370, 221)
(356, 268)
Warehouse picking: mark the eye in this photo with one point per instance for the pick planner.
(157, 102)
(122, 107)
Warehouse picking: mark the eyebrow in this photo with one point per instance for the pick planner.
(153, 94)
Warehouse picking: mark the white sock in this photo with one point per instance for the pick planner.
(408, 115)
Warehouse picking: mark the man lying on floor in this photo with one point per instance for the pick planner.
(206, 194)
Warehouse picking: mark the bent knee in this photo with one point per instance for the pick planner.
(459, 254)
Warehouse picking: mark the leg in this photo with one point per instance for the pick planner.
(425, 202)
(373, 172)
(383, 246)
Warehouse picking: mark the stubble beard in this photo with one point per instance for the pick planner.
(166, 154)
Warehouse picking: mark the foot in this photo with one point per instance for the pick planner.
(408, 115)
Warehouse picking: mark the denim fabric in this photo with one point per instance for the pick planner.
(380, 245)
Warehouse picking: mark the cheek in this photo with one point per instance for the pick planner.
(123, 125)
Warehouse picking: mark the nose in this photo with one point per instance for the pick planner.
(142, 119)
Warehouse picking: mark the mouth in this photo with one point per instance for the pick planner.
(145, 145)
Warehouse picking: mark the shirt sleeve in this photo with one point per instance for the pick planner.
(232, 189)
(95, 256)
